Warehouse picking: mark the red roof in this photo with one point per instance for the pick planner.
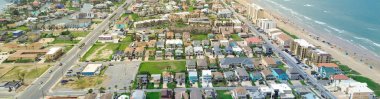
(327, 65)
(339, 77)
(253, 40)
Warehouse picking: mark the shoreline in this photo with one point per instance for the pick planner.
(354, 58)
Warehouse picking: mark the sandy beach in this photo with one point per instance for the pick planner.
(353, 57)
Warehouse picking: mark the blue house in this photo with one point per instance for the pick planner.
(18, 33)
(279, 74)
(193, 77)
(228, 50)
(255, 76)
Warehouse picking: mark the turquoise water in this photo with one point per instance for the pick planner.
(354, 21)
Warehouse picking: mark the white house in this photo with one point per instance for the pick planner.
(285, 92)
(206, 78)
(198, 51)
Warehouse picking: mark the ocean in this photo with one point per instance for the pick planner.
(353, 21)
(3, 5)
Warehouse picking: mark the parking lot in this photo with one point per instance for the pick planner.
(121, 74)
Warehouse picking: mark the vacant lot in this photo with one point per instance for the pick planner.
(159, 67)
(79, 33)
(236, 37)
(199, 36)
(99, 52)
(26, 72)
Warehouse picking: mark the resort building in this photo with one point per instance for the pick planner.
(266, 24)
(300, 48)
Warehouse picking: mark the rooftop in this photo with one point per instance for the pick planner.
(91, 67)
(303, 43)
(53, 50)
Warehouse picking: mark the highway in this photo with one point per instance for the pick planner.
(288, 60)
(42, 85)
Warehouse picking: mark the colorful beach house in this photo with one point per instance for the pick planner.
(120, 25)
(279, 74)
(193, 77)
(325, 70)
(255, 76)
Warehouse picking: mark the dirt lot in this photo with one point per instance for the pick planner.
(26, 71)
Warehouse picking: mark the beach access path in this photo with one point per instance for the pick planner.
(336, 53)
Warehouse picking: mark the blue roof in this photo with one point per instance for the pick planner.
(278, 71)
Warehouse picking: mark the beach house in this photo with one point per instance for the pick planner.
(279, 74)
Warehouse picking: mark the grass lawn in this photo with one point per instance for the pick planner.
(134, 17)
(125, 42)
(191, 8)
(68, 48)
(348, 70)
(23, 27)
(171, 85)
(291, 35)
(73, 8)
(223, 94)
(220, 84)
(199, 36)
(371, 84)
(159, 67)
(236, 37)
(56, 41)
(180, 25)
(79, 33)
(153, 95)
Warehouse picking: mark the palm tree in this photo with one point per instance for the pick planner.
(125, 89)
(115, 87)
(21, 77)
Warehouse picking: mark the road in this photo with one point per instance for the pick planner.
(44, 83)
(286, 58)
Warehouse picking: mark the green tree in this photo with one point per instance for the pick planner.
(102, 90)
(90, 91)
(65, 33)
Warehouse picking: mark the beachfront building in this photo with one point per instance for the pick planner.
(354, 89)
(266, 24)
(284, 41)
(325, 70)
(318, 56)
(300, 48)
(255, 12)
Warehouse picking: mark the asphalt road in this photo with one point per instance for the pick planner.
(286, 58)
(42, 85)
